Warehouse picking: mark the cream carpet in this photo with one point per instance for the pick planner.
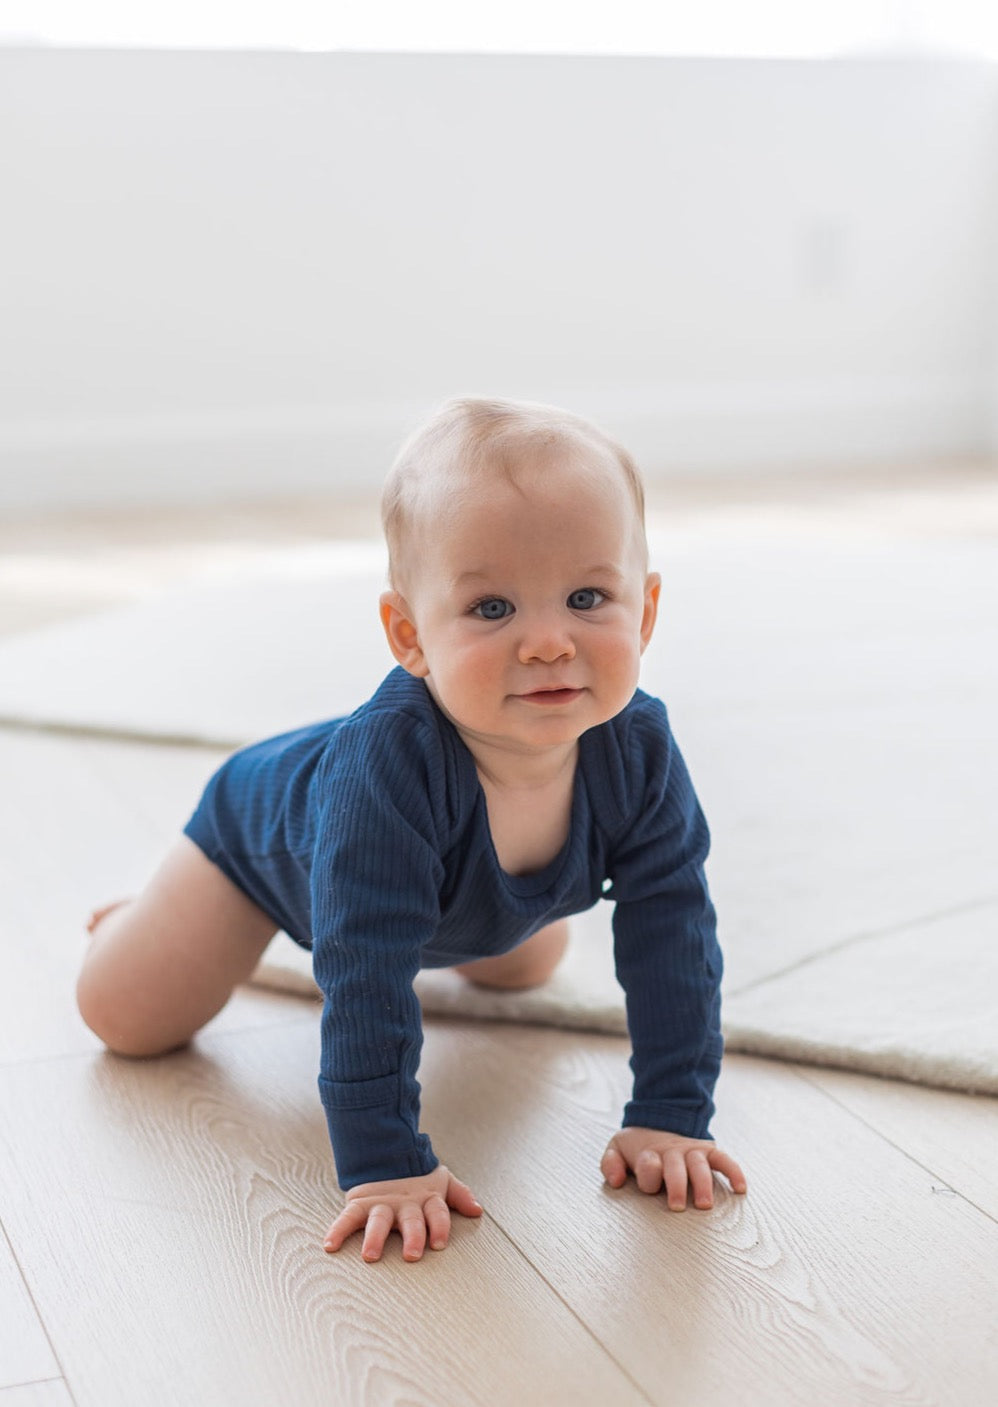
(833, 686)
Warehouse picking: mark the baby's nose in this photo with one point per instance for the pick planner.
(546, 639)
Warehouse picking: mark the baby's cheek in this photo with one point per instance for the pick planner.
(621, 663)
(467, 682)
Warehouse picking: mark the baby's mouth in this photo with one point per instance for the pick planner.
(551, 697)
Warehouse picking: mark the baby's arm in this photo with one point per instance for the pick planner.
(416, 1205)
(376, 877)
(656, 1157)
(669, 964)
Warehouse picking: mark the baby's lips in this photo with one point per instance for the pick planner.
(556, 695)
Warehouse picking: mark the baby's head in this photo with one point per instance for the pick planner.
(473, 447)
(519, 570)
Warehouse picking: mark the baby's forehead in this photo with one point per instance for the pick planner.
(455, 483)
(559, 470)
(575, 510)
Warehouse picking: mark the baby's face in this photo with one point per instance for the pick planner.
(530, 607)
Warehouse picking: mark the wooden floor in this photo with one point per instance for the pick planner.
(161, 1221)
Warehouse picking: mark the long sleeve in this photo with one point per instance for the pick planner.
(665, 945)
(376, 878)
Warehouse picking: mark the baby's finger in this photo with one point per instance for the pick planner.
(380, 1221)
(724, 1163)
(462, 1199)
(350, 1219)
(613, 1166)
(437, 1222)
(674, 1168)
(648, 1171)
(701, 1180)
(412, 1225)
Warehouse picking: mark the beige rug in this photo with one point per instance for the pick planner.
(835, 692)
(897, 1005)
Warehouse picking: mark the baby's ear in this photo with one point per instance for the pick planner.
(653, 586)
(400, 630)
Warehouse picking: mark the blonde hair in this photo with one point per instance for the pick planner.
(478, 436)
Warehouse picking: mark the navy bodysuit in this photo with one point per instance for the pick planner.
(367, 839)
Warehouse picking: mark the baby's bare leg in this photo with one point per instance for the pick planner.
(526, 966)
(161, 965)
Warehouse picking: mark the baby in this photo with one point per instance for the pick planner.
(508, 774)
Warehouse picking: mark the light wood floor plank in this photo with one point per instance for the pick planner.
(25, 1352)
(822, 1286)
(52, 1393)
(169, 1217)
(954, 1135)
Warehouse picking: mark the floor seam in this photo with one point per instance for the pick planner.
(33, 1382)
(587, 1329)
(61, 1375)
(107, 733)
(232, 1031)
(898, 1147)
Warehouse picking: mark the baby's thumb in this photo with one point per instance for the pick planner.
(462, 1199)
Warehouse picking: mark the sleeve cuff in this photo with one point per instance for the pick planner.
(372, 1140)
(670, 1118)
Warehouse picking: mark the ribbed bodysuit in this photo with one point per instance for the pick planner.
(366, 838)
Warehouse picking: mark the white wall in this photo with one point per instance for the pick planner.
(250, 272)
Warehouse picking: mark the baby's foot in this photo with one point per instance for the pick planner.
(98, 915)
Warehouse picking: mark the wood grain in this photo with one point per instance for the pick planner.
(25, 1352)
(51, 1393)
(169, 1216)
(953, 1136)
(823, 1285)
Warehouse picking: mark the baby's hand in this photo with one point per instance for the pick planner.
(656, 1157)
(416, 1205)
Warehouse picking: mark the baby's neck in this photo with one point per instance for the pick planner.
(529, 808)
(510, 770)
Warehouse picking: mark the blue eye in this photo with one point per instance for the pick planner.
(492, 608)
(585, 599)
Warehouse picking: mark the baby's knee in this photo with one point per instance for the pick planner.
(105, 1010)
(526, 966)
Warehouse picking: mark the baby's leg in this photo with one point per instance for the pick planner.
(163, 964)
(526, 966)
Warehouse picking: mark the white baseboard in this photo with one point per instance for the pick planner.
(675, 429)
